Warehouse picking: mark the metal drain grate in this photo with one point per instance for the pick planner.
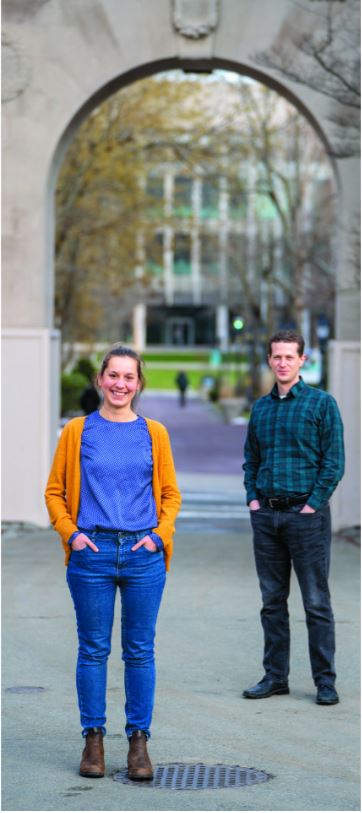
(179, 776)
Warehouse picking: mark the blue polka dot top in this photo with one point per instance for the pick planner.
(116, 475)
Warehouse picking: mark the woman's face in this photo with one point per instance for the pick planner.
(119, 382)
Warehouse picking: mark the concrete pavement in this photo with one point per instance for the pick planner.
(208, 649)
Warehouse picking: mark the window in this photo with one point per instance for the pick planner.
(182, 255)
(182, 196)
(154, 254)
(155, 187)
(265, 209)
(238, 202)
(210, 197)
(209, 251)
(236, 255)
(155, 194)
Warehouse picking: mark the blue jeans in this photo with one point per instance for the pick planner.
(93, 579)
(283, 538)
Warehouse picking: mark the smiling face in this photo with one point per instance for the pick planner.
(285, 362)
(119, 383)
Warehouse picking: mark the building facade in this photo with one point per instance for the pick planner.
(211, 246)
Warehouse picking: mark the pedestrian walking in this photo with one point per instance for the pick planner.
(182, 382)
(112, 495)
(294, 459)
(89, 399)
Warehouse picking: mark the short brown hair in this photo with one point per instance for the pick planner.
(287, 336)
(120, 350)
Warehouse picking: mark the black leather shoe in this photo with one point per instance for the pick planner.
(265, 688)
(326, 696)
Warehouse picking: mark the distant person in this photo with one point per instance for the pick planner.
(89, 399)
(182, 382)
(294, 459)
(112, 496)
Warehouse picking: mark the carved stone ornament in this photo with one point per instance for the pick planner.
(195, 18)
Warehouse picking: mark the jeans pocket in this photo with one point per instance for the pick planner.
(79, 550)
(312, 522)
(254, 513)
(148, 550)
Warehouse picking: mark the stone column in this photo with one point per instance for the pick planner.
(344, 379)
(139, 326)
(31, 384)
(222, 327)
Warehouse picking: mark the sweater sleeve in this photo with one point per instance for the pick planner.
(170, 494)
(56, 490)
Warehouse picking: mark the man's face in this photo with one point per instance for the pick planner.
(285, 363)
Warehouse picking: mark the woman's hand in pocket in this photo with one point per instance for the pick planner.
(147, 543)
(82, 541)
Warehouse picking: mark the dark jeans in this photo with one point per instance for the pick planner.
(283, 538)
(94, 579)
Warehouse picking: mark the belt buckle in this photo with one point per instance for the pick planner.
(272, 500)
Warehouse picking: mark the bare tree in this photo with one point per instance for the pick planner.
(319, 46)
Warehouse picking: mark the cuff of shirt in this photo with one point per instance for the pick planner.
(313, 502)
(73, 536)
(251, 495)
(157, 540)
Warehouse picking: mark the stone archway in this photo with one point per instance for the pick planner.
(70, 57)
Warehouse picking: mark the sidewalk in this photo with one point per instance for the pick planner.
(208, 649)
(201, 442)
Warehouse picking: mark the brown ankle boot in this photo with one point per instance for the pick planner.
(139, 763)
(92, 764)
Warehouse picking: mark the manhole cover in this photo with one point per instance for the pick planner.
(25, 689)
(178, 776)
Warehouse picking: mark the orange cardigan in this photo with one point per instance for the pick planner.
(62, 493)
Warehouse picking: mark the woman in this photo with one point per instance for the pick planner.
(112, 495)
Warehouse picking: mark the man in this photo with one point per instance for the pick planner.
(294, 458)
(182, 383)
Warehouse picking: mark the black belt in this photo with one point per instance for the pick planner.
(284, 502)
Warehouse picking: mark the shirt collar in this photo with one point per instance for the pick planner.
(293, 392)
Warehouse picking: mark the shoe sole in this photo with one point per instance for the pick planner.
(140, 778)
(327, 702)
(262, 696)
(90, 775)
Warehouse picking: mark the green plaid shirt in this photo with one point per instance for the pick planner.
(294, 445)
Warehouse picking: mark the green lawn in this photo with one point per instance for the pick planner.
(178, 358)
(165, 379)
(203, 358)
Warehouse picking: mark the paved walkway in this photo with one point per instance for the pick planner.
(208, 649)
(201, 442)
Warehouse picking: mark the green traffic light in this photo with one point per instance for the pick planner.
(238, 323)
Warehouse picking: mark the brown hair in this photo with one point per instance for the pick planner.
(120, 350)
(287, 336)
